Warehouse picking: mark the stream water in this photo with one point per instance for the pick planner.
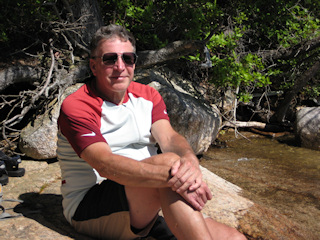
(273, 172)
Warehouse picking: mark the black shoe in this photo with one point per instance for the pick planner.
(12, 165)
(161, 231)
(3, 176)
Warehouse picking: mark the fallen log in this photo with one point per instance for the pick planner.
(270, 134)
(265, 129)
(241, 124)
(18, 74)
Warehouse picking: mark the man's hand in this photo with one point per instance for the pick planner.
(186, 175)
(198, 198)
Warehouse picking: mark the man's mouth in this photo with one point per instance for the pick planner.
(118, 77)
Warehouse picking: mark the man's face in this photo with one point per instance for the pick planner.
(113, 79)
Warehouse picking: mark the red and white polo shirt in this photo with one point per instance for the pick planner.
(86, 118)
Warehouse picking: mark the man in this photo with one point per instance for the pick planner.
(113, 181)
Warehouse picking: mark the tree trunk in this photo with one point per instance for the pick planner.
(300, 83)
(87, 14)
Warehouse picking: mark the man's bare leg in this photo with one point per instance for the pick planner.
(183, 221)
(144, 205)
(221, 231)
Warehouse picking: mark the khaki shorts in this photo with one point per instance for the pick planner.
(104, 213)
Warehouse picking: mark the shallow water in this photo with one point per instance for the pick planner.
(272, 172)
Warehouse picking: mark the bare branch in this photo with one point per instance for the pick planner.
(17, 118)
(240, 124)
(172, 51)
(295, 51)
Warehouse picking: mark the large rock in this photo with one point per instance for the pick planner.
(189, 115)
(38, 139)
(307, 127)
(227, 205)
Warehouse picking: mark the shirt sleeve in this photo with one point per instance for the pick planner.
(80, 123)
(159, 108)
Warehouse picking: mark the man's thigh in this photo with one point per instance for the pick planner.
(144, 205)
(104, 213)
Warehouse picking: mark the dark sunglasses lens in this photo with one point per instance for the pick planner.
(109, 58)
(129, 58)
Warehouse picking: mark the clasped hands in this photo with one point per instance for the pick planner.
(187, 181)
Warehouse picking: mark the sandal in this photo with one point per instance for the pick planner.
(5, 215)
(3, 174)
(12, 165)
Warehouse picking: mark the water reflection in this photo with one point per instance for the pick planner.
(272, 172)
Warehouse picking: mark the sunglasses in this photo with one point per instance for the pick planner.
(110, 59)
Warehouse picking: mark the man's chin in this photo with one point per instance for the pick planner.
(120, 86)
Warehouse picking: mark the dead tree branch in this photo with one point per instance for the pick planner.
(288, 53)
(172, 51)
(240, 124)
(17, 118)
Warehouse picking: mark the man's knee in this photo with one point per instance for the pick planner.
(236, 235)
(222, 231)
(143, 203)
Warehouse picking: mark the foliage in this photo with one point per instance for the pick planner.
(240, 36)
(21, 24)
(242, 31)
(231, 70)
(275, 24)
(157, 23)
(283, 23)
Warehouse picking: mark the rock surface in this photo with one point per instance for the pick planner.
(307, 127)
(42, 216)
(254, 220)
(38, 139)
(42, 211)
(189, 114)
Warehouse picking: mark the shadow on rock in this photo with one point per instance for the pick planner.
(46, 209)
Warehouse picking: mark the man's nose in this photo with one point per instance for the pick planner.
(119, 64)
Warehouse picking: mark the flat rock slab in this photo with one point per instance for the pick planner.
(41, 212)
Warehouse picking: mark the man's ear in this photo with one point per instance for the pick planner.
(93, 66)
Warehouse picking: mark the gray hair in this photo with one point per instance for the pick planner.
(109, 32)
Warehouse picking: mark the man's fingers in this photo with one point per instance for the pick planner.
(184, 187)
(175, 168)
(197, 183)
(194, 200)
(205, 192)
(181, 184)
(187, 177)
(179, 177)
(197, 199)
(196, 205)
(209, 194)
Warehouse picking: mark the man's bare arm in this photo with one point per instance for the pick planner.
(186, 173)
(151, 172)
